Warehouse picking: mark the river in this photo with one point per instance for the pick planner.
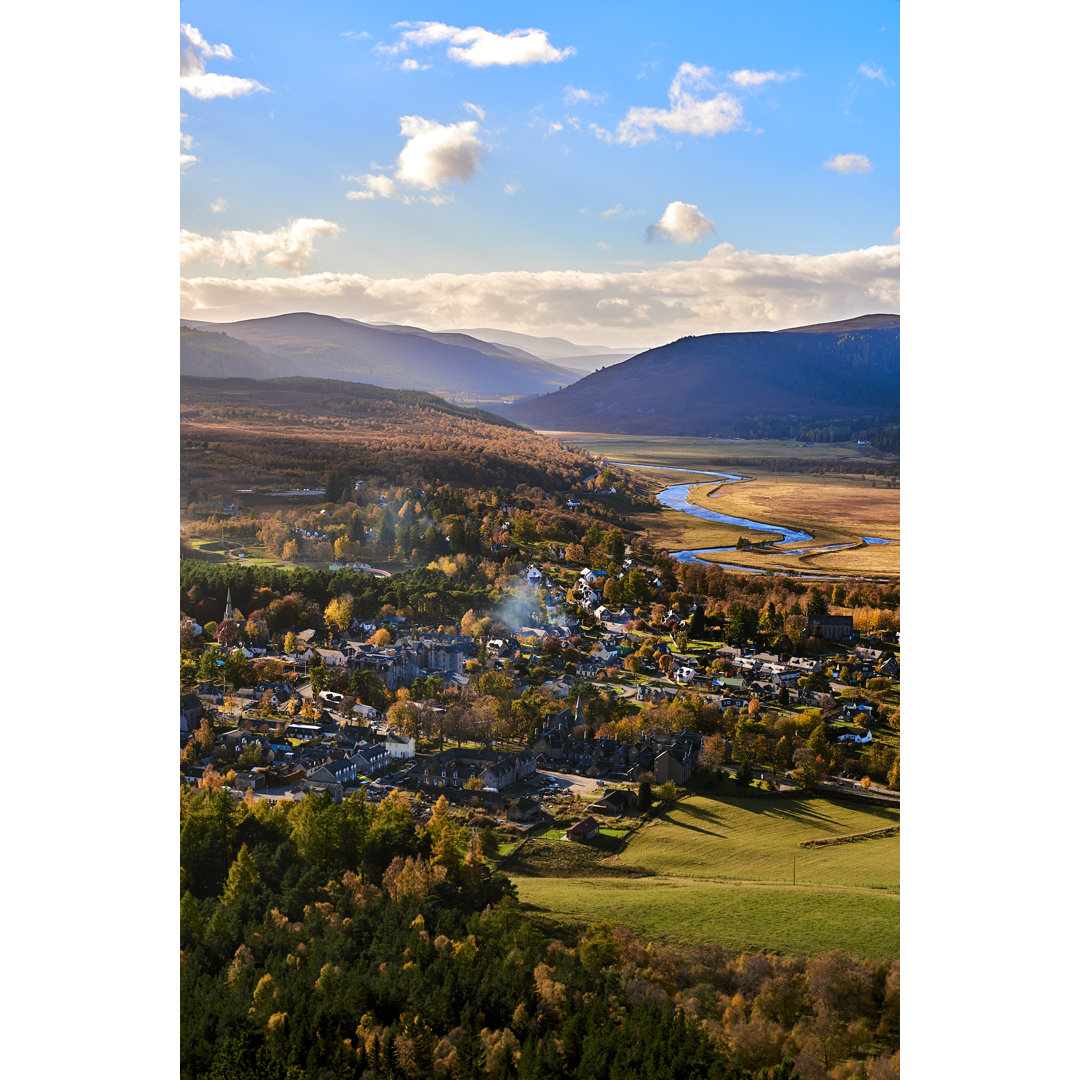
(677, 497)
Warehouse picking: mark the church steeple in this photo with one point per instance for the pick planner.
(228, 604)
(579, 715)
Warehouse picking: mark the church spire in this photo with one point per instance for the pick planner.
(579, 716)
(228, 604)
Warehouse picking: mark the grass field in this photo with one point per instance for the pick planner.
(690, 453)
(720, 870)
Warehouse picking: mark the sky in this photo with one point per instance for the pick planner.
(616, 173)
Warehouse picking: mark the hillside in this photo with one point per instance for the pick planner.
(837, 380)
(283, 433)
(321, 346)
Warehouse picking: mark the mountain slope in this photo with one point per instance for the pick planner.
(321, 346)
(578, 358)
(751, 385)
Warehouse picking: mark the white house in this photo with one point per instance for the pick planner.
(400, 746)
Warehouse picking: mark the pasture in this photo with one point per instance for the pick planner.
(719, 870)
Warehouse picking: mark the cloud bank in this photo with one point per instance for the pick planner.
(724, 290)
(287, 248)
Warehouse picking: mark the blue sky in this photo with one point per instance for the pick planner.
(612, 172)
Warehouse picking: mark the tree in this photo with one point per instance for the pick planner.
(644, 795)
(243, 877)
(745, 773)
(228, 632)
(339, 612)
(290, 643)
(697, 623)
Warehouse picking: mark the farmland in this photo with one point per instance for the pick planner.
(721, 871)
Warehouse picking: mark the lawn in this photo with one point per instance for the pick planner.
(753, 839)
(720, 870)
(799, 919)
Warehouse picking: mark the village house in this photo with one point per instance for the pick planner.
(831, 627)
(583, 830)
(456, 767)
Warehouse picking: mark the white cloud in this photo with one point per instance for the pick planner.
(896, 234)
(618, 210)
(602, 246)
(433, 155)
(437, 153)
(723, 290)
(849, 163)
(573, 96)
(682, 222)
(870, 72)
(478, 47)
(376, 184)
(749, 79)
(689, 114)
(409, 64)
(195, 50)
(287, 248)
(468, 106)
(219, 205)
(186, 143)
(554, 127)
(355, 35)
(512, 188)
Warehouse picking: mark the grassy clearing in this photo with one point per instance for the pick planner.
(754, 839)
(720, 870)
(798, 919)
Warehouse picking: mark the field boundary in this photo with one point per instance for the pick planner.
(851, 838)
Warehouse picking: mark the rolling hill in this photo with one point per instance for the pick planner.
(833, 380)
(400, 357)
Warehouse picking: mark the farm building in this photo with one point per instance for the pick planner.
(583, 830)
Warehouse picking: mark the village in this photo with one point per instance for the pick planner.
(552, 758)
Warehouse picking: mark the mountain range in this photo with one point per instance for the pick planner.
(451, 364)
(843, 376)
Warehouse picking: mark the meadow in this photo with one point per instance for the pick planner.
(720, 871)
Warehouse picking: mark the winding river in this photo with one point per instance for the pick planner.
(677, 497)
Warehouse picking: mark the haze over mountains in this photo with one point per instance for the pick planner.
(581, 358)
(789, 383)
(401, 357)
(829, 380)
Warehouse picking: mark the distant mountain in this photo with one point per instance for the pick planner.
(565, 353)
(803, 382)
(400, 357)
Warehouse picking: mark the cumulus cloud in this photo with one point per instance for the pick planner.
(468, 106)
(690, 113)
(723, 290)
(355, 35)
(433, 155)
(409, 64)
(219, 205)
(195, 51)
(682, 222)
(512, 188)
(287, 248)
(849, 163)
(478, 47)
(896, 234)
(602, 246)
(574, 96)
(749, 79)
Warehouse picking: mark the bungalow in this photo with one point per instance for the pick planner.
(583, 830)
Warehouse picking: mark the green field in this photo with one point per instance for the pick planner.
(720, 871)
